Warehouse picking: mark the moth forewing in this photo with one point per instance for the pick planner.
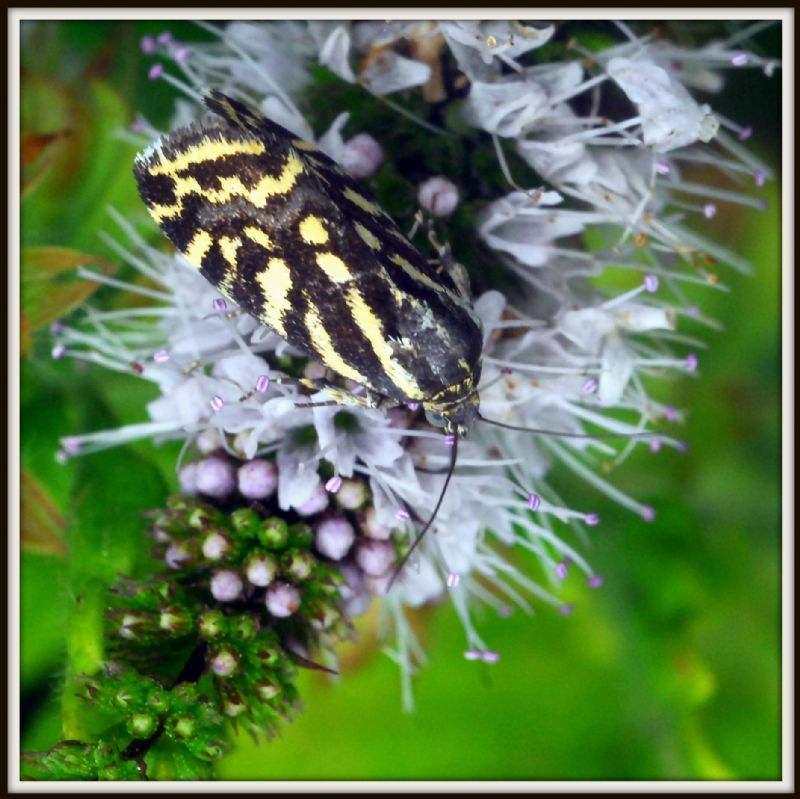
(287, 235)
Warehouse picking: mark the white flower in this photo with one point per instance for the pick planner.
(335, 54)
(670, 117)
(559, 355)
(390, 72)
(525, 226)
(506, 108)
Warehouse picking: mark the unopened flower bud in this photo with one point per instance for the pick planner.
(267, 689)
(226, 585)
(257, 479)
(438, 195)
(187, 478)
(375, 557)
(216, 477)
(211, 624)
(282, 600)
(297, 564)
(373, 528)
(352, 494)
(260, 569)
(141, 725)
(273, 533)
(362, 156)
(316, 503)
(334, 537)
(178, 555)
(209, 440)
(223, 663)
(183, 727)
(216, 546)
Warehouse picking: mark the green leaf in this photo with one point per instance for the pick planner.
(107, 538)
(69, 204)
(42, 526)
(47, 293)
(43, 605)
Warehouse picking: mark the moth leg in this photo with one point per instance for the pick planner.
(231, 314)
(339, 396)
(447, 263)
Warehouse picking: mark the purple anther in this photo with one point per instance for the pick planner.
(216, 403)
(147, 45)
(745, 133)
(450, 439)
(655, 444)
(709, 210)
(412, 406)
(472, 654)
(651, 283)
(139, 125)
(561, 571)
(648, 513)
(595, 581)
(490, 656)
(589, 386)
(566, 609)
(218, 304)
(334, 484)
(691, 362)
(262, 384)
(452, 580)
(58, 351)
(162, 356)
(534, 501)
(592, 519)
(156, 71)
(739, 59)
(402, 514)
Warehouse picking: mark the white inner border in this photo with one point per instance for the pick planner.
(786, 16)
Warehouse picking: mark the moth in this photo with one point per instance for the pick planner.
(288, 236)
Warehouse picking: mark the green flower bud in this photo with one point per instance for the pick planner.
(301, 535)
(267, 689)
(183, 727)
(245, 522)
(297, 564)
(174, 620)
(223, 663)
(246, 628)
(274, 533)
(142, 725)
(212, 624)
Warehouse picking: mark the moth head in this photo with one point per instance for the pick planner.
(456, 418)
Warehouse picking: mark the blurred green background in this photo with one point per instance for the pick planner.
(670, 671)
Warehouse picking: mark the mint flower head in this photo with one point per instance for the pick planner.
(546, 166)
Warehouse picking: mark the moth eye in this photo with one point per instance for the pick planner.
(435, 419)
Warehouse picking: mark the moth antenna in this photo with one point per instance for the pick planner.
(425, 529)
(564, 433)
(504, 372)
(233, 313)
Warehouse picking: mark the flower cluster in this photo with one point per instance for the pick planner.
(603, 143)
